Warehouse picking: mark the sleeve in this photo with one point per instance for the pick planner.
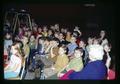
(65, 61)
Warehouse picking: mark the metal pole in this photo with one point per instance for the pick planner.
(15, 23)
(29, 21)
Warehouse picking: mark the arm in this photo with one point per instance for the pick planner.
(46, 51)
(36, 43)
(60, 72)
(108, 61)
(70, 53)
(6, 68)
(51, 53)
(79, 32)
(12, 69)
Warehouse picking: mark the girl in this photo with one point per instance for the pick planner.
(14, 66)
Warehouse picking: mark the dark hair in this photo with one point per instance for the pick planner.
(47, 38)
(9, 34)
(57, 40)
(84, 40)
(40, 38)
(80, 49)
(21, 47)
(64, 47)
(20, 42)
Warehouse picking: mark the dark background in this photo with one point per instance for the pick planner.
(91, 19)
(71, 13)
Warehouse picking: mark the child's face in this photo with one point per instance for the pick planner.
(25, 40)
(68, 33)
(102, 33)
(90, 40)
(32, 38)
(26, 33)
(56, 35)
(62, 29)
(35, 28)
(61, 51)
(60, 36)
(39, 29)
(49, 32)
(29, 33)
(73, 39)
(46, 42)
(95, 41)
(13, 50)
(8, 36)
(82, 44)
(44, 29)
(41, 41)
(52, 27)
(77, 53)
(56, 26)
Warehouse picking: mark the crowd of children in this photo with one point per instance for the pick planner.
(62, 51)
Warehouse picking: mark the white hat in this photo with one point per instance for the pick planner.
(96, 52)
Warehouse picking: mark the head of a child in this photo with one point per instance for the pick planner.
(8, 36)
(50, 32)
(32, 38)
(62, 49)
(24, 40)
(90, 41)
(102, 33)
(45, 29)
(73, 39)
(78, 52)
(95, 41)
(61, 36)
(14, 49)
(41, 40)
(56, 42)
(82, 43)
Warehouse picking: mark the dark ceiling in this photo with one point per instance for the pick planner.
(95, 18)
(92, 16)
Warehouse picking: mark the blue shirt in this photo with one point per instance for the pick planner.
(71, 47)
(7, 43)
(94, 70)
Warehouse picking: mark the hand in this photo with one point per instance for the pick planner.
(39, 36)
(60, 74)
(54, 45)
(53, 68)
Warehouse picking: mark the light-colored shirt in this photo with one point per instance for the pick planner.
(14, 60)
(7, 43)
(75, 64)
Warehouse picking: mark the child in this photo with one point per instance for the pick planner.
(75, 64)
